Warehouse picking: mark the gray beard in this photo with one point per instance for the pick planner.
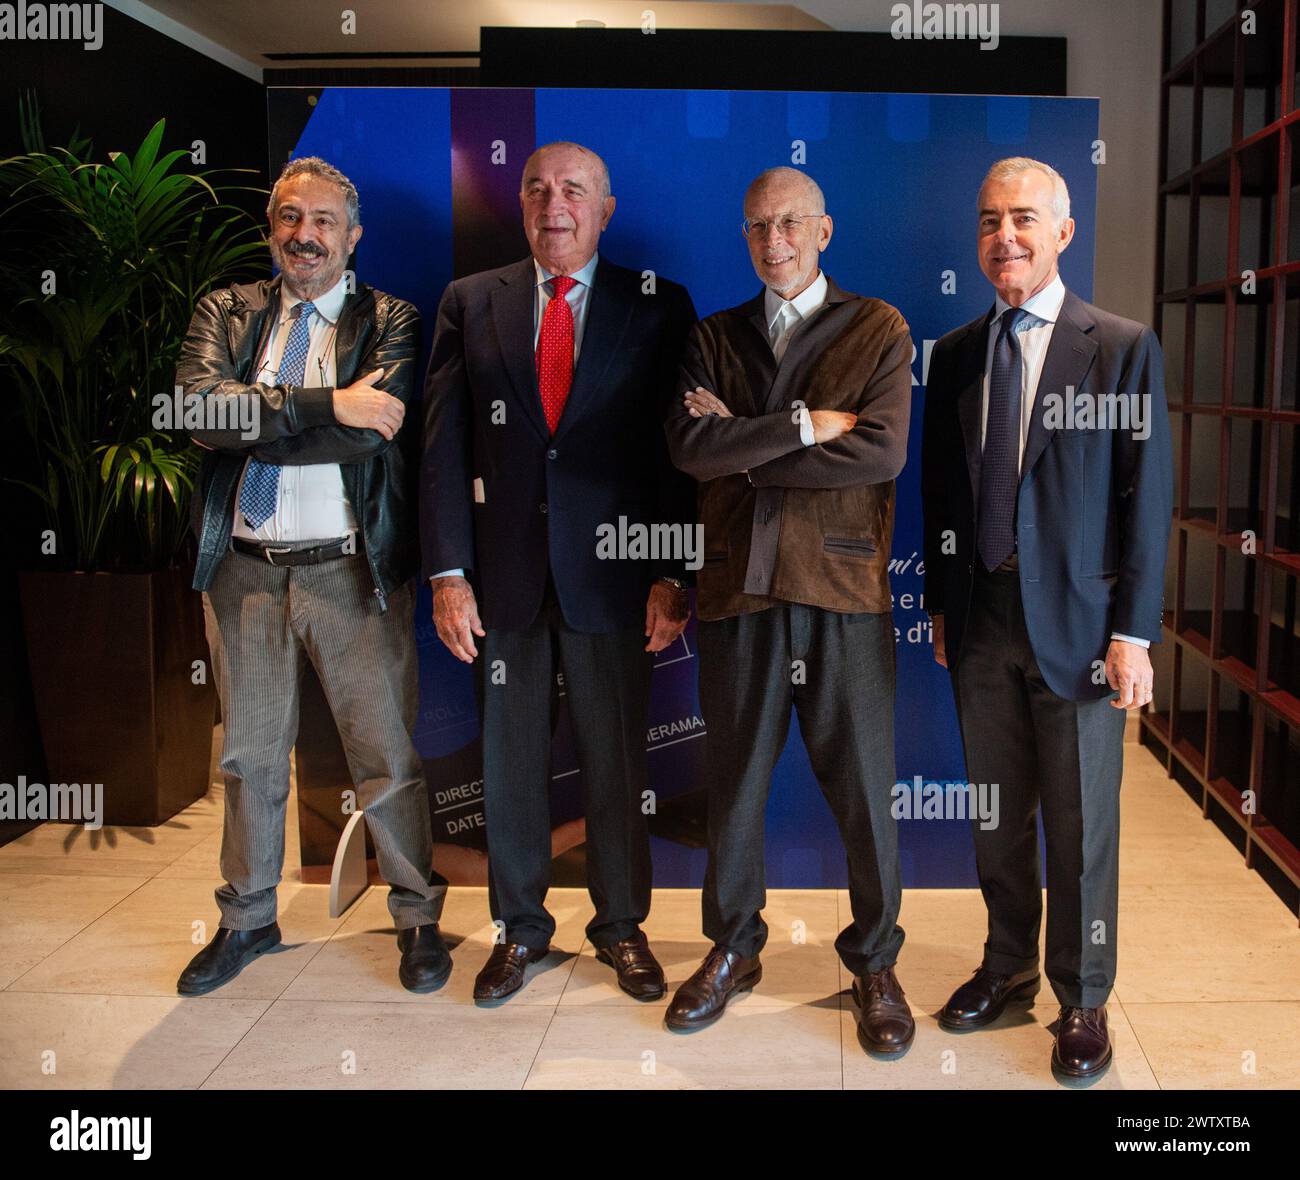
(797, 281)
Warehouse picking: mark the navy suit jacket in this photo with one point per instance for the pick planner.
(541, 498)
(1094, 508)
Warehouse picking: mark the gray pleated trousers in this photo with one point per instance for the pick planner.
(262, 622)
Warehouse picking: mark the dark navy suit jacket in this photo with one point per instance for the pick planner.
(541, 498)
(1094, 508)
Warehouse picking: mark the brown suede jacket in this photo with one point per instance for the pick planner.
(783, 522)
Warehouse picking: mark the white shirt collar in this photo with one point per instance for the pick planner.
(804, 304)
(583, 276)
(1046, 305)
(328, 305)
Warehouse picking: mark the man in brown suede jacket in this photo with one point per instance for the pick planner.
(793, 418)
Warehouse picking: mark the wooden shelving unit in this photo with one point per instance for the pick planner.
(1227, 714)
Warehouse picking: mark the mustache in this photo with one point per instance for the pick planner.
(304, 249)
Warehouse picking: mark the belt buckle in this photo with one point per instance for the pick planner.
(267, 550)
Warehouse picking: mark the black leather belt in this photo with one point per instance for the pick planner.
(289, 555)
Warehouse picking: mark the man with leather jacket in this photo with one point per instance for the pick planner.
(305, 517)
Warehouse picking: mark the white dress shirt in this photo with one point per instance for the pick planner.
(578, 301)
(1034, 333)
(783, 317)
(311, 504)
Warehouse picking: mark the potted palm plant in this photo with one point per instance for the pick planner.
(103, 263)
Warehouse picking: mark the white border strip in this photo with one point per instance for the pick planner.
(186, 36)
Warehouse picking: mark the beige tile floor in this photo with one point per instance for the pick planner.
(95, 928)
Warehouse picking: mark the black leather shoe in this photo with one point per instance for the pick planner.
(503, 974)
(703, 998)
(885, 1023)
(981, 999)
(639, 973)
(1082, 1048)
(225, 957)
(426, 961)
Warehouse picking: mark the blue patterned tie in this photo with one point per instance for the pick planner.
(1000, 466)
(261, 488)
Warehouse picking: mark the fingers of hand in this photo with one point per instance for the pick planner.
(700, 402)
(663, 635)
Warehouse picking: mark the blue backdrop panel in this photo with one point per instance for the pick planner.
(900, 174)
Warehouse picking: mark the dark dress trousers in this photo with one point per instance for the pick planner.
(1025, 646)
(793, 597)
(519, 509)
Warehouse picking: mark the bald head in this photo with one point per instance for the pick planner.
(589, 161)
(789, 180)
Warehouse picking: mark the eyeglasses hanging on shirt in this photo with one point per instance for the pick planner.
(274, 373)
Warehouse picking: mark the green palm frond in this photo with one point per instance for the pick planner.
(127, 246)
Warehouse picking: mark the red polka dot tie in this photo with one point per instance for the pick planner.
(555, 351)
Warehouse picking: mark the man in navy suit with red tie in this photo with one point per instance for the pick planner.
(547, 387)
(1047, 494)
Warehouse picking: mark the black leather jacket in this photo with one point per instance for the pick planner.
(296, 424)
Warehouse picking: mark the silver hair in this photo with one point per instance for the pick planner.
(315, 166)
(814, 189)
(1015, 165)
(602, 169)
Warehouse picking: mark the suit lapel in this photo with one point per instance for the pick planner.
(1069, 357)
(609, 311)
(512, 320)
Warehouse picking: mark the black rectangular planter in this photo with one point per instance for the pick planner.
(113, 674)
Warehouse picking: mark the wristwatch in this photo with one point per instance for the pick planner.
(675, 583)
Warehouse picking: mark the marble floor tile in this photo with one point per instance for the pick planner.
(1188, 943)
(309, 1044)
(750, 1047)
(38, 914)
(1013, 1053)
(141, 946)
(1220, 1046)
(360, 961)
(799, 960)
(78, 1042)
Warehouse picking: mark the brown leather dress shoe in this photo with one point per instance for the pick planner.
(639, 973)
(885, 1023)
(503, 974)
(982, 998)
(1082, 1048)
(703, 997)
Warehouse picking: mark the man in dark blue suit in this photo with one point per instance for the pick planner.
(547, 386)
(1047, 494)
